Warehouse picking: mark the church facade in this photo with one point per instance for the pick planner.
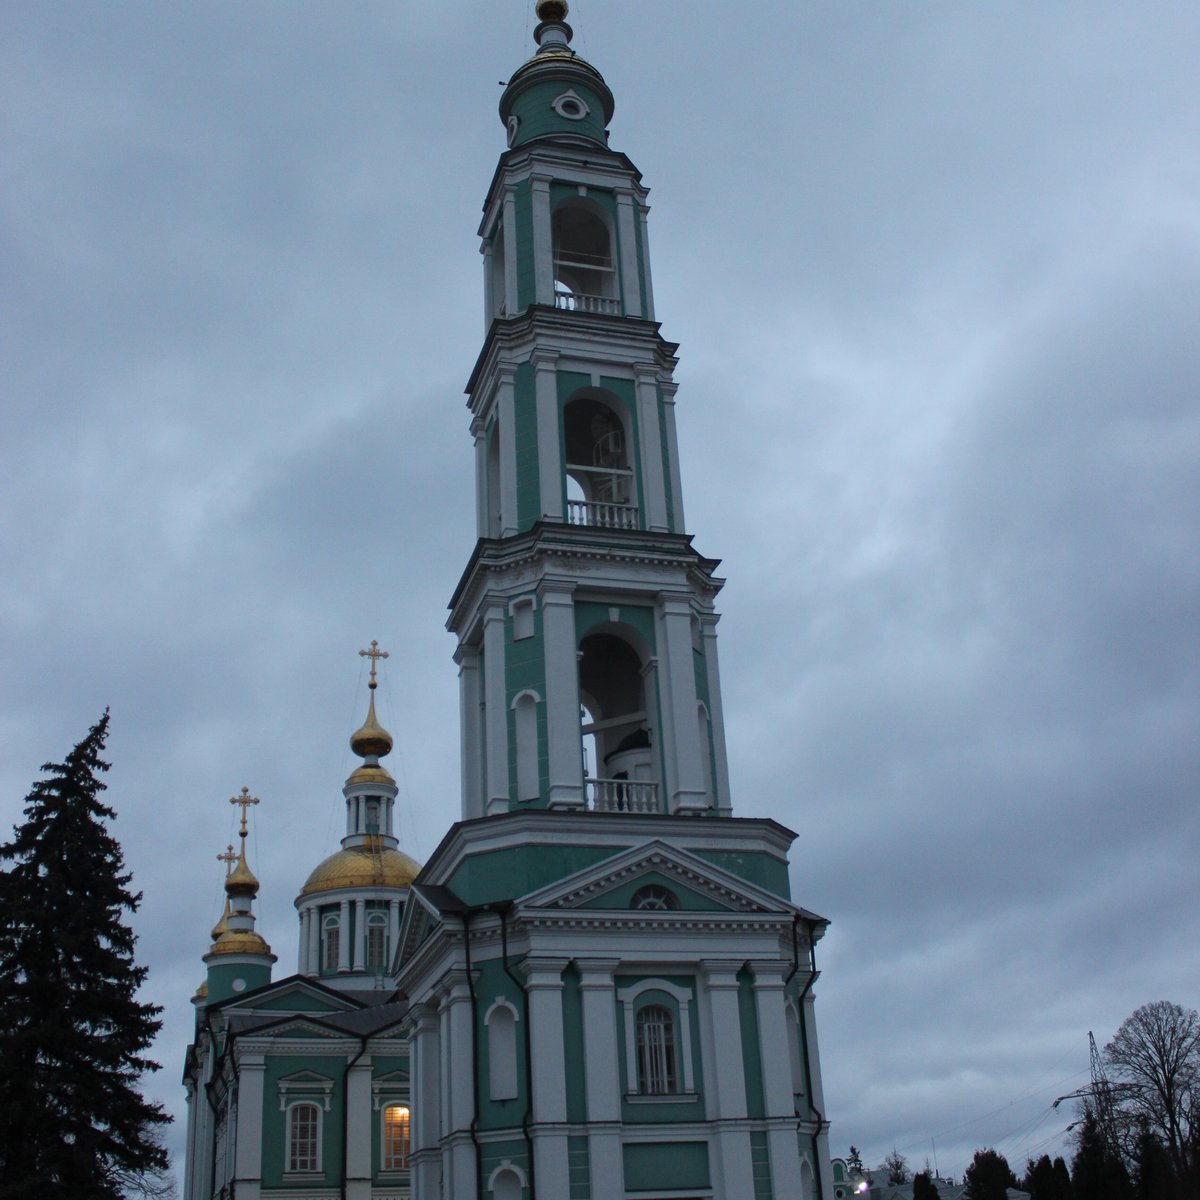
(599, 986)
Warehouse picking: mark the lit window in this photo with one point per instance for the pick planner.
(331, 939)
(654, 898)
(656, 1051)
(304, 1149)
(395, 1137)
(376, 942)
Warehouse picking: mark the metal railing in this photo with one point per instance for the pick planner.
(620, 795)
(604, 513)
(577, 302)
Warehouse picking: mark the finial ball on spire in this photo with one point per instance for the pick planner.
(551, 10)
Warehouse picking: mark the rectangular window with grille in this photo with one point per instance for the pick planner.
(395, 1137)
(303, 1138)
(656, 1051)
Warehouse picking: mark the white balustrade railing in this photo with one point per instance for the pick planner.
(620, 795)
(577, 302)
(605, 513)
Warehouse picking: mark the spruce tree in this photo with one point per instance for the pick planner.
(73, 1035)
(989, 1176)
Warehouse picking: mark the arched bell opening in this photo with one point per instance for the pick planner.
(585, 279)
(497, 283)
(599, 476)
(616, 730)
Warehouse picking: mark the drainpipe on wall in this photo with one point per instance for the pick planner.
(465, 917)
(822, 1124)
(363, 1039)
(527, 1119)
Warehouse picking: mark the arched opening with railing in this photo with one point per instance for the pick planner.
(585, 276)
(600, 482)
(619, 766)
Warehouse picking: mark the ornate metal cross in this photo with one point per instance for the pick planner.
(245, 800)
(228, 858)
(374, 654)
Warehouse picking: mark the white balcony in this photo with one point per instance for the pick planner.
(577, 302)
(607, 514)
(620, 795)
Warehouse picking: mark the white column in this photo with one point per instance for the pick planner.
(496, 713)
(302, 948)
(506, 410)
(393, 941)
(193, 1150)
(601, 1050)
(461, 1180)
(489, 298)
(481, 489)
(425, 1115)
(510, 252)
(668, 398)
(654, 492)
(314, 941)
(627, 233)
(565, 748)
(470, 732)
(644, 230)
(727, 1084)
(344, 936)
(247, 1165)
(550, 466)
(360, 931)
(775, 1055)
(359, 1129)
(543, 241)
(549, 1074)
(681, 736)
(716, 712)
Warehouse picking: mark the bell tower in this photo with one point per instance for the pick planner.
(585, 620)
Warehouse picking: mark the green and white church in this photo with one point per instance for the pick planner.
(599, 986)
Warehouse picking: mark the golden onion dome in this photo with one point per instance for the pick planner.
(369, 865)
(372, 740)
(240, 941)
(223, 924)
(370, 773)
(241, 880)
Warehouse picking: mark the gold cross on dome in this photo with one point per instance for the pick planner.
(374, 654)
(228, 858)
(245, 800)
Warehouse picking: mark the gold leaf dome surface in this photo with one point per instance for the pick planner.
(368, 865)
(372, 739)
(239, 941)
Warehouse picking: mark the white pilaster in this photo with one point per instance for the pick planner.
(302, 949)
(344, 936)
(564, 749)
(482, 525)
(496, 711)
(669, 389)
(426, 1126)
(770, 1007)
(549, 1074)
(644, 231)
(393, 931)
(600, 1049)
(506, 409)
(543, 241)
(471, 737)
(359, 1129)
(461, 1182)
(654, 494)
(681, 735)
(510, 251)
(360, 931)
(489, 298)
(727, 1084)
(247, 1167)
(627, 233)
(716, 712)
(314, 942)
(550, 465)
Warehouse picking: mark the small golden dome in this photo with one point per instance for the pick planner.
(241, 881)
(369, 865)
(223, 924)
(245, 941)
(372, 740)
(370, 774)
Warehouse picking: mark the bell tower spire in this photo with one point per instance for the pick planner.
(584, 593)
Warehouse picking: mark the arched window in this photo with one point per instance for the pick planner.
(304, 1138)
(501, 1022)
(330, 943)
(657, 1075)
(653, 898)
(373, 806)
(598, 463)
(525, 716)
(376, 942)
(584, 277)
(506, 1183)
(395, 1137)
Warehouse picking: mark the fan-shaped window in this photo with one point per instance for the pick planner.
(330, 943)
(376, 942)
(395, 1137)
(657, 1075)
(653, 898)
(304, 1138)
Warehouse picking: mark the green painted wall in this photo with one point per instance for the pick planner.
(755, 867)
(518, 870)
(539, 119)
(274, 1129)
(579, 1168)
(222, 976)
(492, 1154)
(529, 501)
(751, 1045)
(640, 617)
(666, 1166)
(494, 983)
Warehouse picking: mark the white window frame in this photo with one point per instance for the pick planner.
(376, 920)
(289, 1148)
(384, 1165)
(502, 1060)
(330, 922)
(628, 998)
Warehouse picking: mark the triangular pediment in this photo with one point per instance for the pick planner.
(695, 885)
(296, 993)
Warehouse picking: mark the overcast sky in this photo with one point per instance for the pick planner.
(935, 273)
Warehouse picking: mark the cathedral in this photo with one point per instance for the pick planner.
(599, 986)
